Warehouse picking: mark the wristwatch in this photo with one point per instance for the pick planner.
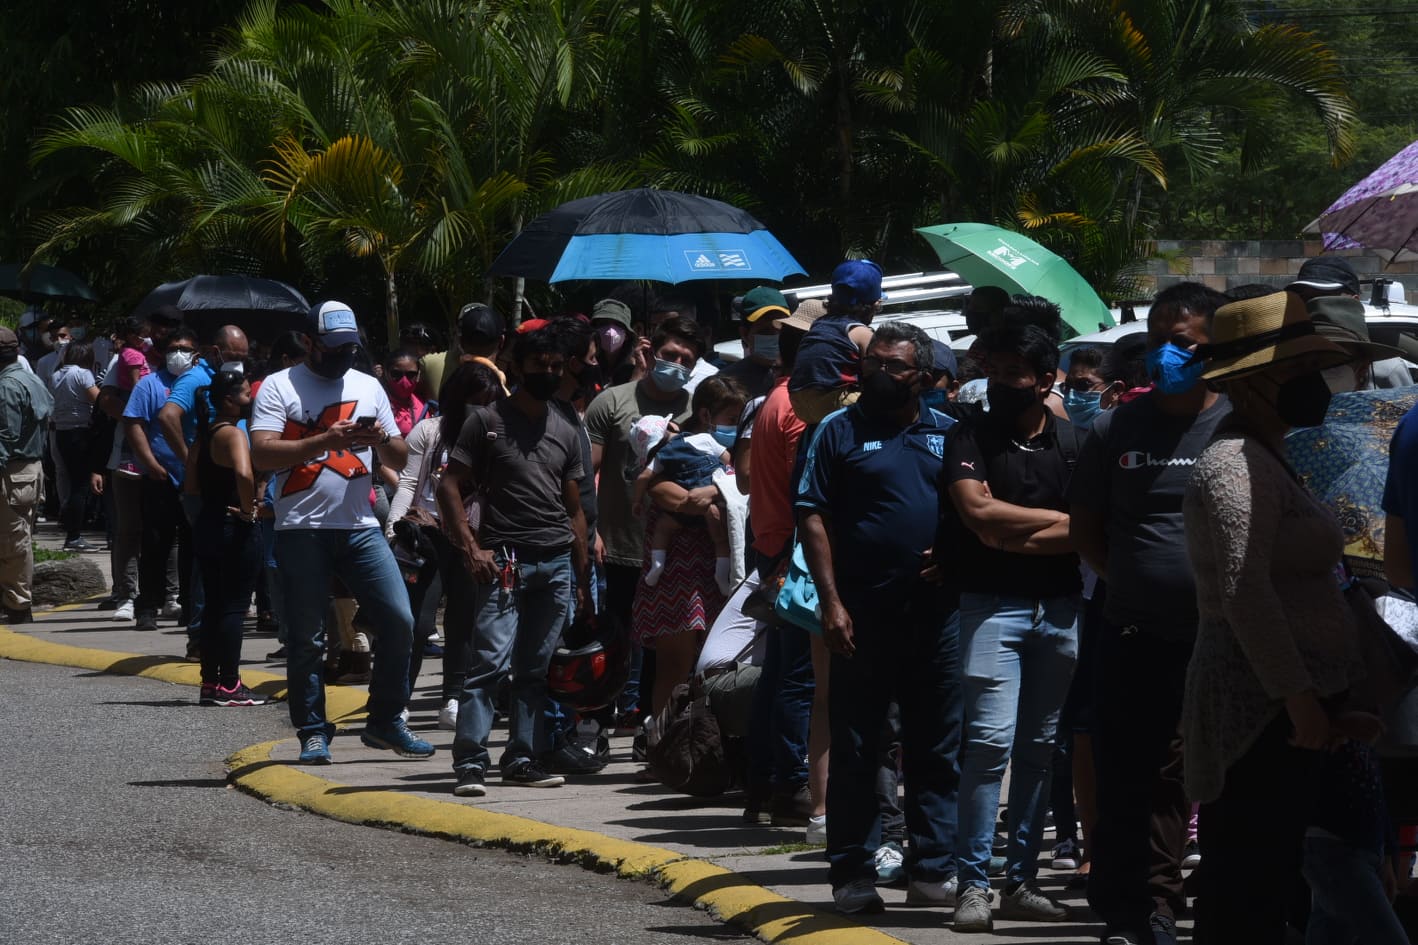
(387, 438)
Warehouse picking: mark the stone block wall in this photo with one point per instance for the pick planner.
(1224, 264)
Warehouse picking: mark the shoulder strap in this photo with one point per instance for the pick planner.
(1068, 444)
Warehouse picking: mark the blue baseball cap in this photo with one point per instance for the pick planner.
(857, 282)
(333, 324)
(944, 359)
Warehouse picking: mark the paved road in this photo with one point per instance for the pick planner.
(116, 824)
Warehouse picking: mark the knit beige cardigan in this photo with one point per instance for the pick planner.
(1274, 622)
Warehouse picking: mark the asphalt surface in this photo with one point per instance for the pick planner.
(116, 823)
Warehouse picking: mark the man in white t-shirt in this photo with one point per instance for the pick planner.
(318, 424)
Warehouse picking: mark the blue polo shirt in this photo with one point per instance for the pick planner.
(1401, 486)
(877, 484)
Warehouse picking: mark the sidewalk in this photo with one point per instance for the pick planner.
(612, 803)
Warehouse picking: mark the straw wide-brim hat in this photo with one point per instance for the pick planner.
(1253, 334)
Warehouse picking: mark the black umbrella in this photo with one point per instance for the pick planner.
(646, 234)
(41, 283)
(263, 308)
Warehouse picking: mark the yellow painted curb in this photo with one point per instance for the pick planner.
(729, 896)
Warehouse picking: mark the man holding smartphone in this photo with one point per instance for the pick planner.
(318, 424)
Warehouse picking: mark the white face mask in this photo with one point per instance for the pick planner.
(179, 361)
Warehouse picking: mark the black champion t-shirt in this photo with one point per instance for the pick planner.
(1034, 474)
(1134, 468)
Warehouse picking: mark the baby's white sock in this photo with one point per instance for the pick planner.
(657, 567)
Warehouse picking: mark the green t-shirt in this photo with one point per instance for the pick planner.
(608, 422)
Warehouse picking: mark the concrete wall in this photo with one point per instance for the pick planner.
(1223, 264)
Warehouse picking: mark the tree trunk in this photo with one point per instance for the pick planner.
(844, 147)
(519, 285)
(391, 310)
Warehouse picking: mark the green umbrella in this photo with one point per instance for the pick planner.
(41, 283)
(987, 255)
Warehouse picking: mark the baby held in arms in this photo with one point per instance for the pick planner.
(689, 458)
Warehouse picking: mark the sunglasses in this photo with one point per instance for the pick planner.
(396, 375)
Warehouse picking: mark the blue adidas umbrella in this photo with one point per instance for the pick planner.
(655, 235)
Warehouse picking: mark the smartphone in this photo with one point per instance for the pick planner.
(364, 423)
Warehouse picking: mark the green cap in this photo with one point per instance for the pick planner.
(764, 302)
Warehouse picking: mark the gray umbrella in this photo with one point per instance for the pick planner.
(263, 308)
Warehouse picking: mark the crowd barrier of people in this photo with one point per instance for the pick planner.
(890, 575)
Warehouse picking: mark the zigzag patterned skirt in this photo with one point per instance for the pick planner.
(687, 598)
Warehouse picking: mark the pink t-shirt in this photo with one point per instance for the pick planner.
(128, 359)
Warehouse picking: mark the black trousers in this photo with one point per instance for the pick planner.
(229, 555)
(1252, 843)
(1141, 833)
(163, 524)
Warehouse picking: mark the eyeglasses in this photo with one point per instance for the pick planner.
(396, 375)
(894, 367)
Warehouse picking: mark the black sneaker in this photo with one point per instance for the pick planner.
(570, 756)
(638, 748)
(277, 654)
(792, 808)
(194, 651)
(110, 603)
(470, 784)
(1164, 930)
(22, 615)
(236, 695)
(530, 774)
(147, 620)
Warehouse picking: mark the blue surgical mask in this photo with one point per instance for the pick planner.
(669, 376)
(1082, 406)
(1172, 369)
(934, 399)
(765, 347)
(725, 436)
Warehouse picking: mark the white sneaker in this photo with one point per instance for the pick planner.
(890, 863)
(858, 896)
(448, 716)
(171, 610)
(1028, 904)
(817, 830)
(124, 611)
(404, 715)
(942, 893)
(1065, 856)
(972, 912)
(1191, 858)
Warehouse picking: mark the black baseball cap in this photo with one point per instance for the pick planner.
(478, 321)
(1328, 274)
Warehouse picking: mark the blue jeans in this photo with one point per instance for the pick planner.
(911, 656)
(1348, 905)
(361, 559)
(782, 706)
(514, 632)
(1017, 657)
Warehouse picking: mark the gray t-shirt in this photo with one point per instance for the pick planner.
(524, 468)
(1134, 467)
(72, 408)
(608, 421)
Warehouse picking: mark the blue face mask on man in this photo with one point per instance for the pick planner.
(1172, 369)
(935, 399)
(1082, 406)
(669, 376)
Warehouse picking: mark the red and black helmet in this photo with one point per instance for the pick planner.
(590, 675)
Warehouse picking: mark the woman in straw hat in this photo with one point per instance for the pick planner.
(1276, 636)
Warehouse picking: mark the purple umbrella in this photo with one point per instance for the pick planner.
(1380, 212)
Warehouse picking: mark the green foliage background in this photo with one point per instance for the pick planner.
(385, 150)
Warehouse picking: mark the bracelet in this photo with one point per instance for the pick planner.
(387, 438)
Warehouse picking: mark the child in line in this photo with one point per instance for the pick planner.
(827, 373)
(690, 459)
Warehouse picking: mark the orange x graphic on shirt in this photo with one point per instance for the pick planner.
(347, 465)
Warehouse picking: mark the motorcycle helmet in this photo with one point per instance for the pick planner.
(590, 673)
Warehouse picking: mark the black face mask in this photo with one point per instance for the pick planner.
(332, 364)
(882, 393)
(541, 386)
(590, 379)
(244, 411)
(1303, 401)
(1007, 403)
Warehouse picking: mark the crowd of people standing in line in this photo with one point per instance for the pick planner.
(1107, 581)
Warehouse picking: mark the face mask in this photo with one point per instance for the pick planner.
(1340, 380)
(765, 347)
(1303, 401)
(882, 393)
(725, 436)
(46, 339)
(1007, 403)
(78, 334)
(590, 379)
(244, 412)
(541, 386)
(404, 387)
(1082, 406)
(611, 338)
(1172, 370)
(333, 364)
(61, 344)
(669, 376)
(935, 399)
(178, 362)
